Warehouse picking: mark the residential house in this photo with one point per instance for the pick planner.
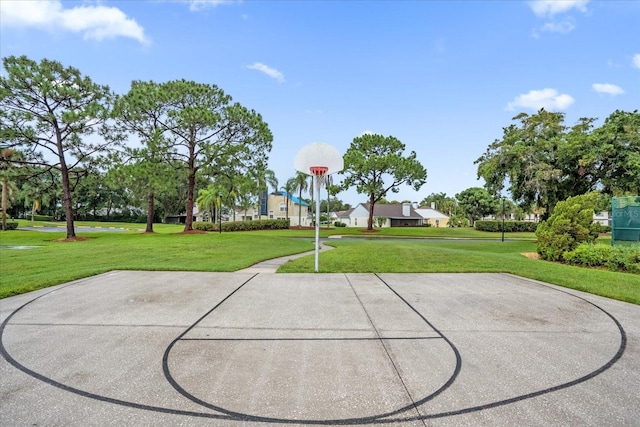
(433, 217)
(395, 215)
(279, 205)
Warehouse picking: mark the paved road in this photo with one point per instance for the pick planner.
(185, 348)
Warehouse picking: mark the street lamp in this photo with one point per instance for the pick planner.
(503, 218)
(220, 213)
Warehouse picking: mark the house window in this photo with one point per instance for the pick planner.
(283, 207)
(271, 214)
(356, 221)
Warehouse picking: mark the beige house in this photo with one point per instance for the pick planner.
(433, 217)
(279, 205)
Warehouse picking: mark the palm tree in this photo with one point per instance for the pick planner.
(264, 178)
(299, 182)
(288, 188)
(207, 199)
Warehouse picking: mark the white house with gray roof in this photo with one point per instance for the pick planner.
(395, 215)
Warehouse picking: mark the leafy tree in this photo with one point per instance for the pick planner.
(544, 161)
(197, 127)
(300, 183)
(526, 156)
(571, 224)
(208, 134)
(443, 203)
(614, 153)
(46, 110)
(373, 159)
(142, 111)
(476, 203)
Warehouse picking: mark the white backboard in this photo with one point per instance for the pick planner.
(318, 154)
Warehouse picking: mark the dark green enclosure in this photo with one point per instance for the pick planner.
(625, 219)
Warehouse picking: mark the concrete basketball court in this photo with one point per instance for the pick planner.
(184, 348)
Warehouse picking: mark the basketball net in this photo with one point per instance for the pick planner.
(318, 170)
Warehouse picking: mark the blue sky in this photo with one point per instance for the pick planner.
(444, 77)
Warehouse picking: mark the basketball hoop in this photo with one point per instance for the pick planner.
(307, 161)
(318, 170)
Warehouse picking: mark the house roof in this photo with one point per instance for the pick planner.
(431, 213)
(344, 214)
(293, 198)
(392, 211)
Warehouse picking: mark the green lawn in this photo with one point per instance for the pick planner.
(425, 256)
(52, 261)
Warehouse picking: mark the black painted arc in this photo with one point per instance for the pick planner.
(603, 368)
(456, 371)
(337, 421)
(471, 409)
(83, 393)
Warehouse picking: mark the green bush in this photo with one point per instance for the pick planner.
(571, 224)
(458, 221)
(615, 258)
(509, 226)
(339, 224)
(265, 224)
(603, 228)
(12, 225)
(205, 226)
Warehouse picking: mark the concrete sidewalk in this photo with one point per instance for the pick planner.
(184, 348)
(272, 265)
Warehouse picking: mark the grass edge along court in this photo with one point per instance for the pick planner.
(24, 270)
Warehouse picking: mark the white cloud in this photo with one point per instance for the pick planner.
(271, 72)
(565, 26)
(94, 22)
(636, 60)
(196, 5)
(607, 88)
(549, 8)
(547, 98)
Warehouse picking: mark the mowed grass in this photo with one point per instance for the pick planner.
(424, 256)
(52, 261)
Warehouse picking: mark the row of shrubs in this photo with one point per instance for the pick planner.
(615, 258)
(265, 224)
(509, 226)
(339, 224)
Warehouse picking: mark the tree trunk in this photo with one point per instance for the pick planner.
(191, 189)
(5, 190)
(370, 220)
(300, 208)
(150, 212)
(67, 199)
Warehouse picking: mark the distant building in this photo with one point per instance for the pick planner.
(395, 215)
(278, 204)
(433, 217)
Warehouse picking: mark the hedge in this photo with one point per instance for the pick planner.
(509, 226)
(615, 258)
(265, 224)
